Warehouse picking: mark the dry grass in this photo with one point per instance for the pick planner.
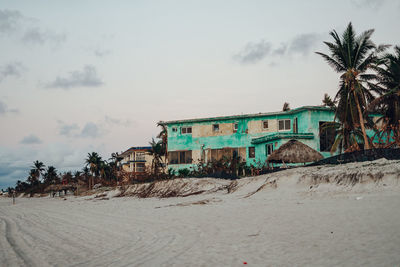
(344, 178)
(169, 188)
(232, 187)
(267, 184)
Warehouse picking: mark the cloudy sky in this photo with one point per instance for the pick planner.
(83, 76)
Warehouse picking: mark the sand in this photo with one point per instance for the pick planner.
(300, 217)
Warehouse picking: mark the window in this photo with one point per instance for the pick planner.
(327, 136)
(252, 152)
(265, 125)
(224, 153)
(174, 129)
(269, 148)
(140, 167)
(140, 156)
(180, 157)
(173, 158)
(284, 125)
(235, 127)
(215, 127)
(186, 130)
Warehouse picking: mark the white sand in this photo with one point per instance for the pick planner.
(285, 223)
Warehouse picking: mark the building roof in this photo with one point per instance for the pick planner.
(280, 135)
(244, 116)
(136, 148)
(294, 152)
(140, 148)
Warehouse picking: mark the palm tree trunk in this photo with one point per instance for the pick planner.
(366, 142)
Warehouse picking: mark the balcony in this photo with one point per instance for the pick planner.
(140, 158)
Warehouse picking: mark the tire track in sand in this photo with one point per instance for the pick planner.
(22, 251)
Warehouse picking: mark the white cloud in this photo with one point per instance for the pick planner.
(256, 52)
(4, 109)
(87, 77)
(30, 140)
(90, 130)
(39, 36)
(28, 30)
(253, 52)
(12, 69)
(10, 20)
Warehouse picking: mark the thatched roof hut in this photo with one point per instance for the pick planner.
(53, 187)
(294, 152)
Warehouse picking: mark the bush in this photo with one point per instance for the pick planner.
(171, 173)
(183, 172)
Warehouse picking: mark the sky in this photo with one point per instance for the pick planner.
(84, 76)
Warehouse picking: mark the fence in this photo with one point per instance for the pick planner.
(361, 155)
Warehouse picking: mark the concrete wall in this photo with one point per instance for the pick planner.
(257, 126)
(207, 130)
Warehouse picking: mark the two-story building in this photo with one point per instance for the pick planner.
(136, 159)
(252, 137)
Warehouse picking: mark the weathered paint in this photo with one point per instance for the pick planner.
(207, 130)
(250, 127)
(257, 126)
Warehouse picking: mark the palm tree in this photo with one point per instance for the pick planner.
(328, 102)
(286, 106)
(38, 167)
(50, 176)
(77, 176)
(105, 170)
(352, 56)
(67, 177)
(86, 173)
(388, 82)
(18, 186)
(157, 150)
(115, 158)
(163, 135)
(93, 161)
(10, 190)
(32, 178)
(21, 186)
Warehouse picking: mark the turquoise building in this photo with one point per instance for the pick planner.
(252, 137)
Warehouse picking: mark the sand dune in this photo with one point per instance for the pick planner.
(345, 215)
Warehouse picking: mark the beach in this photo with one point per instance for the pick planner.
(288, 218)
